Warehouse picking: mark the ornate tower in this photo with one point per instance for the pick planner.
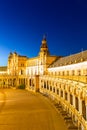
(43, 54)
(44, 48)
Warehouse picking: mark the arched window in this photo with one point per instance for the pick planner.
(30, 82)
(50, 88)
(66, 96)
(79, 72)
(85, 72)
(53, 89)
(71, 99)
(47, 85)
(21, 72)
(44, 84)
(73, 72)
(57, 91)
(77, 103)
(62, 73)
(59, 73)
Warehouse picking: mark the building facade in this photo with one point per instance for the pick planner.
(63, 79)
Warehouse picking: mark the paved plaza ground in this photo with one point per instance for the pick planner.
(23, 110)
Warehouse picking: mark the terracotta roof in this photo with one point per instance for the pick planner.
(72, 59)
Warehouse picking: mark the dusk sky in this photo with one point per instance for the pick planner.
(24, 22)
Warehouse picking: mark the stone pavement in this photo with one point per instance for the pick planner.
(23, 110)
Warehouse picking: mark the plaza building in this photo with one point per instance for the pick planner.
(63, 79)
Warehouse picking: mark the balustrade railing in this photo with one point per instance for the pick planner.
(78, 78)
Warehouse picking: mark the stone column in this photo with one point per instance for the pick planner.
(80, 105)
(86, 104)
(36, 83)
(85, 128)
(68, 97)
(74, 104)
(86, 112)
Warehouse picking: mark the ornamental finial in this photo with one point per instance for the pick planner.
(44, 37)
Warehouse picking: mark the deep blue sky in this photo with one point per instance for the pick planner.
(24, 22)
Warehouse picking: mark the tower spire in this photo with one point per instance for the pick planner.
(44, 37)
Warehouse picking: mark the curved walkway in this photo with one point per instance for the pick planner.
(23, 110)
